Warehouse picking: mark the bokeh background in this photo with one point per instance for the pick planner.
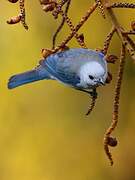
(44, 134)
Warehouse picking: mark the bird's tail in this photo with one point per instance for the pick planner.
(24, 78)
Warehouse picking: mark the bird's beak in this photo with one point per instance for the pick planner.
(101, 82)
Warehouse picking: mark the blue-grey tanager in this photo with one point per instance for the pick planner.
(82, 69)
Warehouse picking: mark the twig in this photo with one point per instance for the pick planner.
(130, 41)
(115, 106)
(108, 40)
(61, 24)
(22, 14)
(101, 7)
(58, 8)
(121, 5)
(93, 102)
(129, 32)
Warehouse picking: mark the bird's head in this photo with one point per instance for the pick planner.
(92, 74)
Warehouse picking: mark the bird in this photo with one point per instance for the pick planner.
(79, 68)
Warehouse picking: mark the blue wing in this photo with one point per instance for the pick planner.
(61, 69)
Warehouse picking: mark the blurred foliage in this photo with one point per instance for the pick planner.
(44, 133)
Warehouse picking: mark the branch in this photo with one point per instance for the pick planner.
(61, 24)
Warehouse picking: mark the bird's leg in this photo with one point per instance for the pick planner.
(91, 93)
(94, 93)
(88, 92)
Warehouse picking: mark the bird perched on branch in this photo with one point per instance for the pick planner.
(82, 69)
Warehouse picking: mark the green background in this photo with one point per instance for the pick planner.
(44, 134)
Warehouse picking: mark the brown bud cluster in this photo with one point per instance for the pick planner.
(81, 37)
(48, 5)
(111, 58)
(109, 78)
(14, 20)
(133, 25)
(46, 52)
(112, 141)
(13, 1)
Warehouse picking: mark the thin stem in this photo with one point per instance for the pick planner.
(101, 7)
(93, 102)
(58, 8)
(130, 41)
(22, 14)
(121, 5)
(61, 24)
(108, 40)
(129, 32)
(115, 106)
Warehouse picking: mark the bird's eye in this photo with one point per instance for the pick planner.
(91, 77)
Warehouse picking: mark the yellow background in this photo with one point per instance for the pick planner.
(44, 134)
